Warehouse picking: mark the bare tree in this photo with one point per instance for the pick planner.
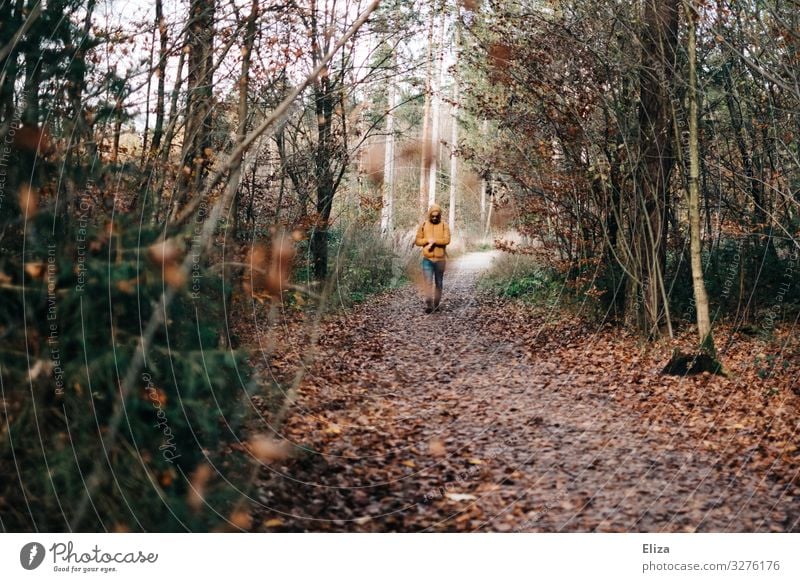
(700, 294)
(387, 209)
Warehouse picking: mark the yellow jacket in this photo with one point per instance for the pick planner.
(439, 233)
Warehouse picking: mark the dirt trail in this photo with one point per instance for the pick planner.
(454, 422)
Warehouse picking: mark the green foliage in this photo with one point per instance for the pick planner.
(362, 264)
(522, 277)
(71, 322)
(738, 275)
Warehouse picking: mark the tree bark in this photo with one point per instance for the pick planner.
(451, 211)
(436, 100)
(387, 210)
(197, 129)
(484, 180)
(241, 131)
(161, 70)
(646, 301)
(700, 295)
(324, 103)
(425, 147)
(148, 91)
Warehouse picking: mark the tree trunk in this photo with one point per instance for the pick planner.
(700, 295)
(169, 135)
(161, 70)
(451, 212)
(646, 301)
(324, 103)
(146, 129)
(118, 110)
(324, 100)
(425, 148)
(436, 100)
(488, 225)
(12, 16)
(241, 131)
(484, 179)
(197, 129)
(387, 210)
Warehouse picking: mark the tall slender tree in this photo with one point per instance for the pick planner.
(699, 286)
(161, 73)
(454, 120)
(387, 209)
(426, 147)
(436, 107)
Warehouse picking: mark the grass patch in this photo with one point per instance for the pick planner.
(361, 263)
(522, 277)
(477, 244)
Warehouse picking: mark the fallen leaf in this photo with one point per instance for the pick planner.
(437, 448)
(460, 497)
(267, 449)
(241, 519)
(199, 481)
(28, 201)
(163, 252)
(35, 269)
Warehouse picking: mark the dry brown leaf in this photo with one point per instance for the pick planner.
(28, 201)
(267, 449)
(167, 477)
(128, 287)
(436, 448)
(35, 270)
(174, 275)
(241, 519)
(163, 252)
(199, 481)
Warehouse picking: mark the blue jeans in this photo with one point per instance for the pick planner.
(434, 279)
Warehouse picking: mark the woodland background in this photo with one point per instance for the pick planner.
(168, 168)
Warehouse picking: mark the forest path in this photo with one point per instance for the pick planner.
(460, 421)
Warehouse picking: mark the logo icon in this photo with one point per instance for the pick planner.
(31, 555)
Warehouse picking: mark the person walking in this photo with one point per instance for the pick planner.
(433, 236)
